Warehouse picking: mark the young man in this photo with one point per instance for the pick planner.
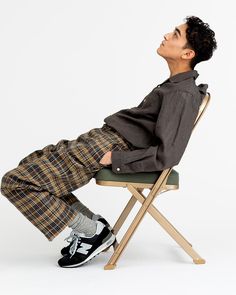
(149, 137)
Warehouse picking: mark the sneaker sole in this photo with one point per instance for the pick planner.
(105, 245)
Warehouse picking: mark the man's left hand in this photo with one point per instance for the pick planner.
(106, 159)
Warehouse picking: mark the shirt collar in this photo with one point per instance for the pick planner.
(182, 76)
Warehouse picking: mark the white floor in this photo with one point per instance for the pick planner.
(152, 262)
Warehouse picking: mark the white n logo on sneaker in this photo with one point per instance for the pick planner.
(84, 248)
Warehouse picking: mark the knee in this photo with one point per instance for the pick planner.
(7, 182)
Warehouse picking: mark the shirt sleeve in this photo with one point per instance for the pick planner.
(173, 130)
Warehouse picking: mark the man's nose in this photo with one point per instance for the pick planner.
(166, 36)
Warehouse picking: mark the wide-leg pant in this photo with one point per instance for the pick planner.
(41, 186)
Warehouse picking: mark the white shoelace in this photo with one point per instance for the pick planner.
(75, 239)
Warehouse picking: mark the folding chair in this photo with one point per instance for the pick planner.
(157, 182)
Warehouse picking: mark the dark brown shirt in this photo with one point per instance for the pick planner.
(160, 126)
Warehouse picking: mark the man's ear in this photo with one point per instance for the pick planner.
(188, 54)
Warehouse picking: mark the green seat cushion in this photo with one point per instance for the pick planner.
(106, 174)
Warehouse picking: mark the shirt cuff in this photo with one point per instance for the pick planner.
(117, 160)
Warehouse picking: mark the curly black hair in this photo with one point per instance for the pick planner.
(200, 38)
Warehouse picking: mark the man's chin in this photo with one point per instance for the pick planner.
(158, 51)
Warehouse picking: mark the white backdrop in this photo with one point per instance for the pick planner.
(64, 67)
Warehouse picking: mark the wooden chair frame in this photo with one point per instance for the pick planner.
(156, 189)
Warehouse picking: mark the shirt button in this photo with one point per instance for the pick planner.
(144, 100)
(118, 169)
(158, 86)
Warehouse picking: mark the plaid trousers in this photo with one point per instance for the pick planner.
(41, 186)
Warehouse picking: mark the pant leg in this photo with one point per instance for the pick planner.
(70, 198)
(35, 186)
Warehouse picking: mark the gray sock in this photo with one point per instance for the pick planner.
(79, 207)
(83, 224)
(96, 216)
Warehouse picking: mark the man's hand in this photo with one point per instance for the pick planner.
(106, 159)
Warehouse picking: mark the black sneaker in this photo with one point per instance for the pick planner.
(85, 248)
(66, 250)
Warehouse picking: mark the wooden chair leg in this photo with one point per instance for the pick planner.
(169, 228)
(120, 221)
(123, 216)
(148, 207)
(127, 236)
(112, 262)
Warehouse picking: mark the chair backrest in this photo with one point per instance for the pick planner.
(161, 181)
(202, 108)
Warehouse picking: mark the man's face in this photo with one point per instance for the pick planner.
(171, 47)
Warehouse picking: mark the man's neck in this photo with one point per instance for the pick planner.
(177, 69)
